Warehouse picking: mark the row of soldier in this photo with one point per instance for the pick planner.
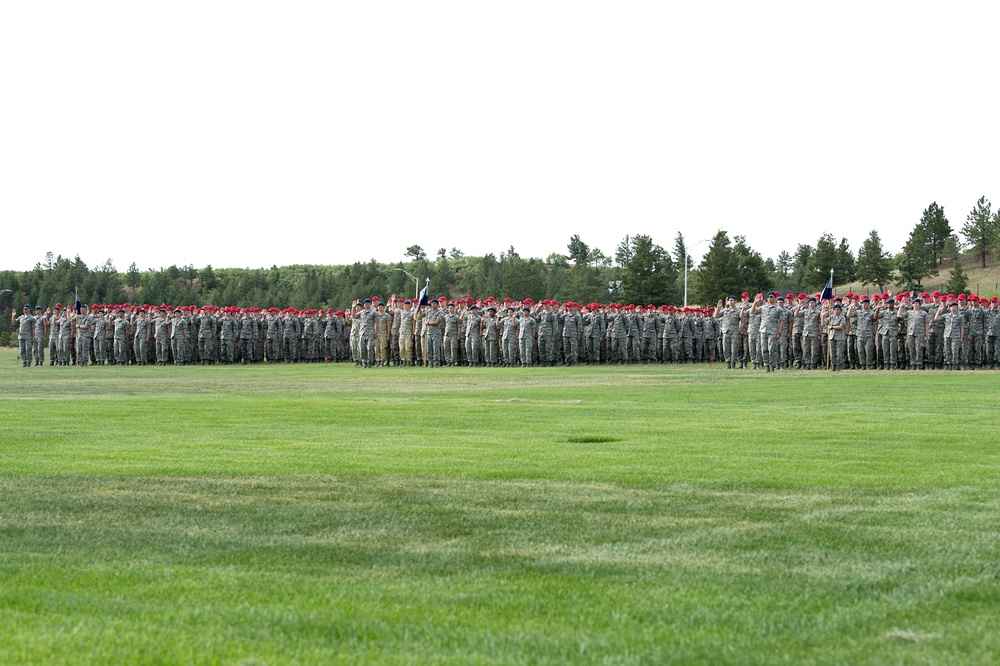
(771, 332)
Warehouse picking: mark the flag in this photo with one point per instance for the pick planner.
(422, 300)
(828, 289)
(77, 305)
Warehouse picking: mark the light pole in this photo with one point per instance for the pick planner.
(703, 240)
(416, 282)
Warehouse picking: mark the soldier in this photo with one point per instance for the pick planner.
(546, 320)
(837, 327)
(488, 334)
(572, 330)
(25, 334)
(954, 333)
(65, 336)
(916, 334)
(383, 326)
(41, 325)
(729, 318)
(812, 336)
(865, 333)
(888, 331)
(452, 333)
(473, 336)
(120, 332)
(649, 333)
(526, 336)
(992, 330)
(228, 331)
(975, 333)
(100, 336)
(141, 336)
(772, 327)
(291, 334)
(433, 334)
(55, 322)
(508, 338)
(178, 337)
(84, 335)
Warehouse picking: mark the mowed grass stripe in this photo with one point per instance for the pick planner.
(295, 569)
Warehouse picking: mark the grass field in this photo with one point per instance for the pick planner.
(653, 514)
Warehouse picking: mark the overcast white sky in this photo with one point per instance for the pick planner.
(251, 133)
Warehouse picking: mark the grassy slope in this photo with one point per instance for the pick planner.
(625, 515)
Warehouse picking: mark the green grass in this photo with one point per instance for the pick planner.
(316, 514)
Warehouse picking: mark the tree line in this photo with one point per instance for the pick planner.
(638, 271)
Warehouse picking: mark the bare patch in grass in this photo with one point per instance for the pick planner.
(592, 439)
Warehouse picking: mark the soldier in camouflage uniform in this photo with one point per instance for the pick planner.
(975, 334)
(812, 336)
(471, 327)
(450, 339)
(954, 333)
(915, 320)
(888, 329)
(141, 336)
(434, 327)
(178, 338)
(772, 327)
(38, 337)
(383, 326)
(729, 318)
(488, 332)
(65, 335)
(526, 336)
(992, 330)
(508, 338)
(863, 327)
(55, 324)
(25, 334)
(572, 330)
(837, 327)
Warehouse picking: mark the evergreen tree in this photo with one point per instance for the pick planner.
(916, 261)
(718, 275)
(874, 265)
(958, 283)
(649, 275)
(936, 230)
(981, 229)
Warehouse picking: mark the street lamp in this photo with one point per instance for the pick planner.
(703, 240)
(416, 282)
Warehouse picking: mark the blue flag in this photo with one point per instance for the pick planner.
(828, 289)
(422, 299)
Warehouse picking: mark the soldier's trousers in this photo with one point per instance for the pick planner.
(366, 345)
(915, 352)
(935, 348)
(246, 349)
(952, 349)
(710, 352)
(647, 350)
(890, 351)
(594, 349)
(490, 350)
(176, 348)
(770, 348)
(509, 350)
(687, 348)
(382, 349)
(25, 347)
(619, 350)
(226, 351)
(355, 349)
(273, 349)
(450, 349)
(991, 350)
(546, 351)
(140, 350)
(974, 351)
(811, 353)
(633, 349)
(291, 349)
(434, 344)
(121, 356)
(671, 350)
(866, 350)
(730, 347)
(571, 349)
(63, 349)
(394, 350)
(755, 356)
(473, 344)
(526, 347)
(100, 349)
(83, 350)
(406, 348)
(797, 347)
(837, 354)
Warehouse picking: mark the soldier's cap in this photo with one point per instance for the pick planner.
(491, 309)
(730, 298)
(790, 296)
(38, 307)
(837, 306)
(802, 295)
(744, 295)
(925, 295)
(953, 304)
(122, 311)
(368, 300)
(526, 309)
(473, 307)
(891, 300)
(994, 300)
(865, 300)
(780, 297)
(451, 304)
(380, 305)
(164, 309)
(442, 299)
(340, 313)
(142, 309)
(917, 300)
(812, 299)
(836, 298)
(770, 294)
(25, 307)
(407, 302)
(961, 297)
(510, 309)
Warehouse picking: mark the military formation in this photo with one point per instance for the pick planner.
(771, 332)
